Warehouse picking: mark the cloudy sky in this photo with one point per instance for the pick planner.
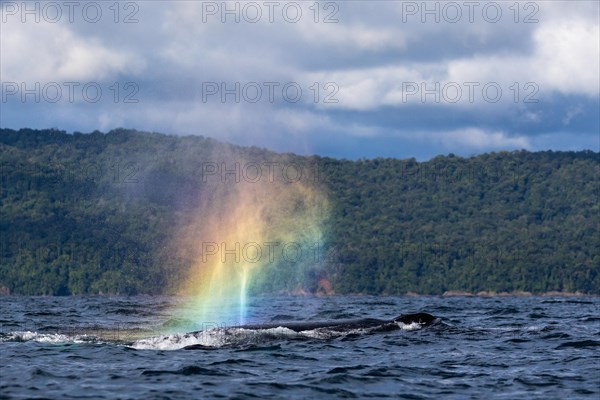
(338, 78)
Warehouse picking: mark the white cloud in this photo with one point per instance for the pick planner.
(476, 139)
(46, 52)
(568, 57)
(369, 88)
(457, 140)
(357, 36)
(565, 58)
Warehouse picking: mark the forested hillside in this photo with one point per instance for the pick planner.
(95, 213)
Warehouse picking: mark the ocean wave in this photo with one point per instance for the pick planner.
(57, 338)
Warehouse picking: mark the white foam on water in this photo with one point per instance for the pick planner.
(325, 333)
(218, 337)
(409, 327)
(56, 338)
(170, 342)
(511, 328)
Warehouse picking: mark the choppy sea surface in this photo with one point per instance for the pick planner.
(133, 348)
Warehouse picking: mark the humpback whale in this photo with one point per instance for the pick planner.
(338, 327)
(347, 325)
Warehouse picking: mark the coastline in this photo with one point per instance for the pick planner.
(518, 293)
(450, 293)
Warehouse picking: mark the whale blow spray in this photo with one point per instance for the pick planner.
(258, 228)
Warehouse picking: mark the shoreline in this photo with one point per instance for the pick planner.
(450, 293)
(518, 293)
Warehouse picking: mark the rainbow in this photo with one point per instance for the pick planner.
(249, 236)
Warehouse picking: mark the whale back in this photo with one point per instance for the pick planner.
(335, 325)
(376, 325)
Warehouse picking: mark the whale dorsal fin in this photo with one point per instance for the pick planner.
(420, 318)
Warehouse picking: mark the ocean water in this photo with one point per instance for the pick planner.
(132, 348)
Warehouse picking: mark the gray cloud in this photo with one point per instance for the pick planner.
(376, 51)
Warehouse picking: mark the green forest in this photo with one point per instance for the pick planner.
(95, 213)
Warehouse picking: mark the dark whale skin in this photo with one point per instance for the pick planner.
(421, 318)
(345, 325)
(375, 325)
(338, 326)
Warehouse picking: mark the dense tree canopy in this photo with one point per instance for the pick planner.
(93, 213)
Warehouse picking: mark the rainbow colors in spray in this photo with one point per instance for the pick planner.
(258, 229)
